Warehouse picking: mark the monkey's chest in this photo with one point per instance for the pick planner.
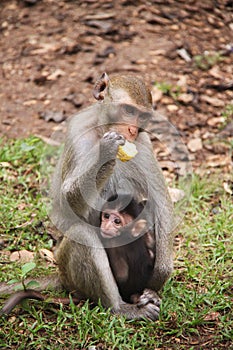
(132, 268)
(126, 178)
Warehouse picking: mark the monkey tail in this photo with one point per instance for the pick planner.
(18, 297)
(51, 282)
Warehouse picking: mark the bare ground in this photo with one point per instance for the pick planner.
(53, 51)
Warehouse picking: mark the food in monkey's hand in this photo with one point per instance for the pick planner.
(127, 151)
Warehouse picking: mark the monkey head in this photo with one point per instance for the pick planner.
(112, 221)
(128, 103)
(119, 212)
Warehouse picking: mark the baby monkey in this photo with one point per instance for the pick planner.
(130, 246)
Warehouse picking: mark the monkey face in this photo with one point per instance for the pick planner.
(127, 119)
(112, 221)
(128, 104)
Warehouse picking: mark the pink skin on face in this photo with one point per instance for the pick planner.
(112, 221)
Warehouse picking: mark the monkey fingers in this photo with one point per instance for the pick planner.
(149, 297)
(109, 144)
(132, 311)
(113, 135)
(151, 311)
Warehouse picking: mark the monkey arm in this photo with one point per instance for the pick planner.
(81, 188)
(94, 164)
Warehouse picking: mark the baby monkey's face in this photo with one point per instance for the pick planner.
(112, 221)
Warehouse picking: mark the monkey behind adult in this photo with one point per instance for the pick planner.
(131, 263)
(89, 172)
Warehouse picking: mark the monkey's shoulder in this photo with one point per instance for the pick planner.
(85, 120)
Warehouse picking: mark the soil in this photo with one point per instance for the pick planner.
(53, 51)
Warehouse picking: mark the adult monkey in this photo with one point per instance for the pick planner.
(89, 173)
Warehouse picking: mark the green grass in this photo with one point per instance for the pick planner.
(196, 310)
(207, 60)
(228, 113)
(169, 89)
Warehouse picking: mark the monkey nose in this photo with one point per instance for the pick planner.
(133, 130)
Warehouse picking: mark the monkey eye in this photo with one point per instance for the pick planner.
(117, 221)
(106, 216)
(144, 116)
(130, 110)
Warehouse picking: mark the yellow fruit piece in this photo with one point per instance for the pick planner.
(127, 152)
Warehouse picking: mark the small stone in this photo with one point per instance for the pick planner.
(156, 94)
(172, 108)
(185, 98)
(215, 121)
(195, 145)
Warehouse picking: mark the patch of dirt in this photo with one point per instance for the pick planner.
(53, 51)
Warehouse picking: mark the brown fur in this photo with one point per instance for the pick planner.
(88, 172)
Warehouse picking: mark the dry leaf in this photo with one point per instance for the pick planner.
(47, 255)
(172, 108)
(23, 256)
(215, 121)
(45, 48)
(215, 72)
(156, 94)
(30, 103)
(227, 188)
(212, 316)
(5, 165)
(185, 98)
(56, 74)
(22, 206)
(214, 101)
(218, 160)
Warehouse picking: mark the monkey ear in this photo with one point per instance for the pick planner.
(143, 203)
(100, 86)
(139, 227)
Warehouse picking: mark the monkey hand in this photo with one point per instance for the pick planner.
(110, 143)
(149, 310)
(150, 301)
(149, 296)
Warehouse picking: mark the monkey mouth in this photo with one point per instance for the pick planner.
(109, 234)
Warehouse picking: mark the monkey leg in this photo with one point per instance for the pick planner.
(84, 267)
(163, 263)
